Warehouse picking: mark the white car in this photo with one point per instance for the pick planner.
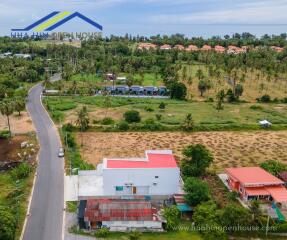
(61, 152)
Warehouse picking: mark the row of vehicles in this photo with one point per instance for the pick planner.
(137, 90)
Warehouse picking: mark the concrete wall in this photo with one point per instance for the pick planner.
(167, 183)
(130, 225)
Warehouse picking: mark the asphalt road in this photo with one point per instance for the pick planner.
(45, 218)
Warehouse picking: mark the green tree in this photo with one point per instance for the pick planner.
(19, 105)
(83, 118)
(7, 224)
(220, 98)
(132, 116)
(196, 190)
(197, 159)
(274, 167)
(206, 219)
(178, 91)
(230, 96)
(234, 215)
(172, 216)
(203, 86)
(238, 90)
(188, 123)
(7, 109)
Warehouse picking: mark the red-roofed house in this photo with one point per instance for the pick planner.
(165, 47)
(146, 46)
(179, 47)
(277, 49)
(206, 48)
(256, 183)
(192, 48)
(219, 49)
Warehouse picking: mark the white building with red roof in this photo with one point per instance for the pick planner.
(157, 174)
(165, 47)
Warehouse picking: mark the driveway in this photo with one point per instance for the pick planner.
(45, 219)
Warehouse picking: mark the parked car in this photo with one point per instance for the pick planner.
(150, 90)
(122, 89)
(61, 152)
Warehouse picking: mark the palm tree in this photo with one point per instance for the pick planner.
(19, 104)
(7, 109)
(83, 119)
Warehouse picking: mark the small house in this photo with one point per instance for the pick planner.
(256, 183)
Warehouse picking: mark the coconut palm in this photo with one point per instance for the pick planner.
(7, 109)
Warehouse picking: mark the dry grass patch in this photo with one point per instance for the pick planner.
(19, 124)
(228, 148)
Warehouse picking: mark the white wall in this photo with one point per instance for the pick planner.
(167, 181)
(125, 225)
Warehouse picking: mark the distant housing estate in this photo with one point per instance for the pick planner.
(193, 48)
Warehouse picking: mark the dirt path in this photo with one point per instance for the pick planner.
(228, 148)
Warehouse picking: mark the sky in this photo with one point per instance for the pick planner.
(150, 17)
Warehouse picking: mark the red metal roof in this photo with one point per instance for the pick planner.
(118, 210)
(153, 160)
(252, 176)
(279, 193)
(256, 191)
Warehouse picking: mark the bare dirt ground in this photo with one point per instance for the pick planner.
(19, 124)
(9, 148)
(229, 148)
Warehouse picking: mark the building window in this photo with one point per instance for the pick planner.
(156, 177)
(119, 188)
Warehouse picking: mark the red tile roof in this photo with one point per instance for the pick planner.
(153, 160)
(192, 48)
(253, 176)
(206, 48)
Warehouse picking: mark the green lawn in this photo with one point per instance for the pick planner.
(243, 115)
(86, 78)
(150, 79)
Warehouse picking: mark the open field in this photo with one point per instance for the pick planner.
(19, 124)
(230, 149)
(243, 115)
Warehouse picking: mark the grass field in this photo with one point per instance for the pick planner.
(230, 149)
(241, 116)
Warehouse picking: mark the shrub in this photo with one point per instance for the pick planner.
(256, 107)
(7, 224)
(149, 109)
(197, 191)
(4, 134)
(162, 105)
(151, 125)
(108, 121)
(21, 172)
(68, 127)
(102, 233)
(135, 235)
(178, 91)
(158, 117)
(123, 126)
(172, 216)
(273, 167)
(132, 116)
(265, 99)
